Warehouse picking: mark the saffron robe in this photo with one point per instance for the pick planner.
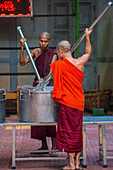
(69, 93)
(68, 81)
(42, 65)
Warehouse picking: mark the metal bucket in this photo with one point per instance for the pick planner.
(2, 105)
(37, 106)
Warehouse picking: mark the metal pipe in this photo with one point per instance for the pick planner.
(29, 53)
(94, 23)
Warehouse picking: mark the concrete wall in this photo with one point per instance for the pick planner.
(31, 29)
(10, 38)
(105, 46)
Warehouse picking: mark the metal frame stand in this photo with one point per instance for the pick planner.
(14, 151)
(102, 146)
(14, 147)
(100, 120)
(84, 146)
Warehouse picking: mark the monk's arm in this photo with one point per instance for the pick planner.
(88, 48)
(53, 60)
(50, 75)
(23, 60)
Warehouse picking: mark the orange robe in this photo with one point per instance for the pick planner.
(68, 92)
(68, 84)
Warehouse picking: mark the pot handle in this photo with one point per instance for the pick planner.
(21, 93)
(4, 94)
(26, 86)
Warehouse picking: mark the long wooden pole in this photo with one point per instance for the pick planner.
(94, 23)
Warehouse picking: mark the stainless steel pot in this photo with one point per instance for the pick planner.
(2, 105)
(37, 106)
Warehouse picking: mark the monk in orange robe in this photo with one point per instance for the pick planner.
(68, 79)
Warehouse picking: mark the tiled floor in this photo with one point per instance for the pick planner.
(24, 142)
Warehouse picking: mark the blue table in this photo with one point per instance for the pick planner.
(101, 121)
(87, 120)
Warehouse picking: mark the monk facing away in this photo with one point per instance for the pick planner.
(68, 79)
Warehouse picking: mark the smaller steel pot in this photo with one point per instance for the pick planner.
(2, 105)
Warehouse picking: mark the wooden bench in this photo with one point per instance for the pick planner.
(14, 96)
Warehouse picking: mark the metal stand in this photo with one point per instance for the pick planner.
(104, 147)
(14, 147)
(14, 151)
(102, 121)
(100, 142)
(87, 120)
(84, 147)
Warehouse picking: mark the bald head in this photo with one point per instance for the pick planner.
(45, 34)
(64, 45)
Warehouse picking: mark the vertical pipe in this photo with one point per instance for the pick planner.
(73, 3)
(98, 97)
(77, 26)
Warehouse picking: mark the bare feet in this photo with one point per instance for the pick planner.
(69, 167)
(80, 168)
(77, 162)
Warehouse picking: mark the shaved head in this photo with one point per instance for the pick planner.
(45, 34)
(64, 45)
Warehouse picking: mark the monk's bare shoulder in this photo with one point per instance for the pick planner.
(77, 63)
(36, 52)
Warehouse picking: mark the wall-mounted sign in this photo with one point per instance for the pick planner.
(16, 8)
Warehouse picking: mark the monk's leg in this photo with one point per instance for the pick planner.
(71, 165)
(44, 145)
(51, 132)
(77, 162)
(53, 139)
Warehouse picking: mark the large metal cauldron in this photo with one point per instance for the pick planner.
(37, 106)
(2, 105)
